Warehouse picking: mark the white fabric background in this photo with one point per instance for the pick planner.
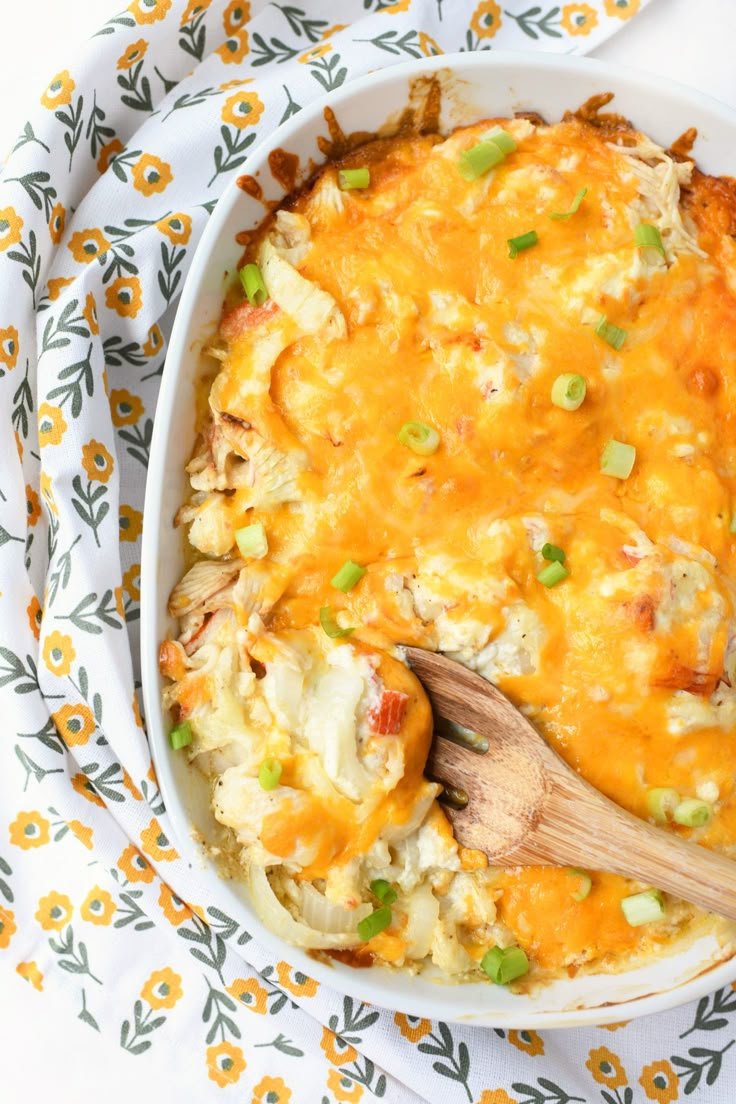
(692, 41)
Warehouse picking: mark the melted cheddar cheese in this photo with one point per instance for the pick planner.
(400, 302)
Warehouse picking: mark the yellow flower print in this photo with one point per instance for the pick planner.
(98, 907)
(234, 49)
(75, 724)
(335, 1050)
(51, 425)
(135, 52)
(35, 616)
(176, 228)
(622, 9)
(606, 1068)
(54, 911)
(55, 287)
(251, 994)
(58, 653)
(90, 314)
(33, 505)
(330, 31)
(136, 711)
(412, 1027)
(314, 53)
(579, 19)
(112, 149)
(85, 789)
(343, 1088)
(156, 844)
(428, 46)
(124, 296)
(528, 1041)
(130, 784)
(86, 245)
(7, 926)
(660, 1082)
(615, 1026)
(131, 523)
(486, 19)
(495, 1096)
(9, 347)
(151, 174)
(175, 911)
(83, 834)
(399, 6)
(154, 341)
(47, 493)
(193, 9)
(225, 1063)
(235, 16)
(29, 830)
(149, 11)
(11, 225)
(126, 409)
(244, 109)
(97, 461)
(300, 985)
(134, 866)
(31, 972)
(163, 989)
(56, 222)
(58, 90)
(271, 1090)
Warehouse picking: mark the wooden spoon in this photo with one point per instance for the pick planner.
(527, 807)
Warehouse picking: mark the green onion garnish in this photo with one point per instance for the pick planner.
(269, 774)
(478, 160)
(612, 335)
(385, 893)
(642, 908)
(693, 813)
(420, 438)
(649, 237)
(553, 553)
(618, 459)
(374, 924)
(585, 884)
(568, 391)
(524, 241)
(180, 735)
(501, 138)
(330, 625)
(253, 285)
(349, 574)
(552, 574)
(662, 802)
(347, 179)
(252, 541)
(504, 965)
(575, 205)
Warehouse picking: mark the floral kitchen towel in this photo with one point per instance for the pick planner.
(102, 201)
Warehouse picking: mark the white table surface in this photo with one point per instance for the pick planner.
(691, 43)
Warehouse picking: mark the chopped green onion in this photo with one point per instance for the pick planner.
(618, 459)
(552, 574)
(524, 241)
(662, 802)
(180, 735)
(420, 438)
(502, 139)
(349, 574)
(504, 965)
(649, 237)
(575, 205)
(612, 335)
(374, 924)
(347, 179)
(252, 541)
(478, 160)
(385, 893)
(552, 552)
(253, 285)
(568, 391)
(330, 625)
(269, 774)
(586, 884)
(732, 526)
(693, 813)
(642, 908)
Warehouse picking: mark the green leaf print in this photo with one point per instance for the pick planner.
(300, 23)
(5, 889)
(712, 1012)
(353, 1021)
(326, 71)
(86, 615)
(222, 1024)
(547, 1093)
(74, 960)
(473, 43)
(38, 189)
(168, 277)
(274, 50)
(22, 405)
(75, 375)
(284, 1045)
(12, 670)
(90, 504)
(193, 35)
(191, 99)
(530, 23)
(291, 107)
(106, 781)
(27, 256)
(46, 735)
(137, 88)
(451, 1064)
(112, 25)
(142, 1025)
(62, 573)
(27, 136)
(132, 913)
(393, 44)
(33, 769)
(210, 949)
(118, 353)
(97, 133)
(85, 1016)
(232, 153)
(364, 1075)
(56, 333)
(139, 440)
(71, 118)
(700, 1063)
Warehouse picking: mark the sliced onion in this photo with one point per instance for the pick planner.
(324, 916)
(392, 833)
(424, 910)
(280, 921)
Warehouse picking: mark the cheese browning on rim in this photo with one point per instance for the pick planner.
(401, 301)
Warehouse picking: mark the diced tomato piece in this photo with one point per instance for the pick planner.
(244, 317)
(680, 677)
(386, 717)
(641, 611)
